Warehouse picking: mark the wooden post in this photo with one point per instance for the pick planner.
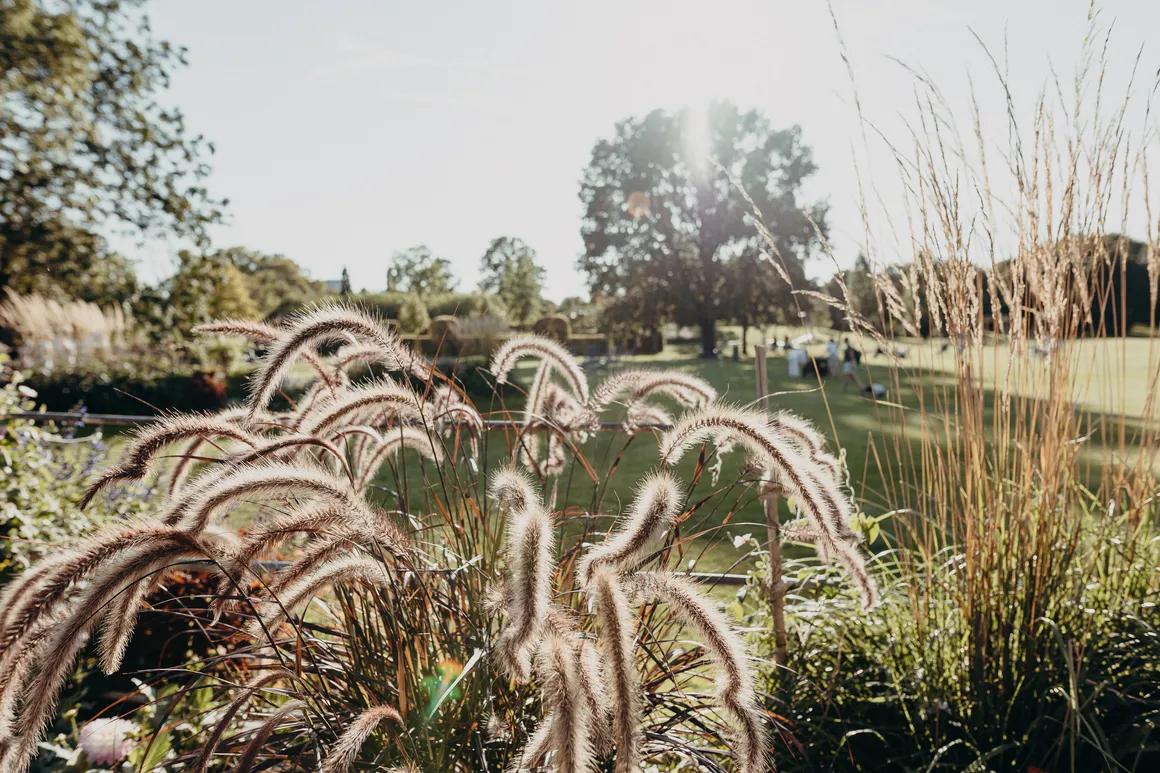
(769, 502)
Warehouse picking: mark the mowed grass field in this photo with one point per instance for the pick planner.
(1109, 383)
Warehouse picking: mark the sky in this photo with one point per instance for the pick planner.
(347, 130)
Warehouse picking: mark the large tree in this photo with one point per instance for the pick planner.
(757, 294)
(417, 270)
(509, 270)
(86, 148)
(663, 216)
(277, 284)
(207, 287)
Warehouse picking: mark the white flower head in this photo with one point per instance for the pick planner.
(107, 741)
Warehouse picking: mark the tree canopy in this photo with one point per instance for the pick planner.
(665, 214)
(509, 269)
(276, 283)
(86, 146)
(207, 287)
(418, 270)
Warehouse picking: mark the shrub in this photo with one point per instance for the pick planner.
(384, 305)
(480, 334)
(412, 315)
(444, 332)
(465, 304)
(553, 326)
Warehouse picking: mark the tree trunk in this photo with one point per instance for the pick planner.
(708, 338)
(744, 340)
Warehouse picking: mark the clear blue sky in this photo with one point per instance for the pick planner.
(347, 130)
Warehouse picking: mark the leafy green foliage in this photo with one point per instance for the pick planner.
(510, 271)
(417, 270)
(87, 145)
(412, 315)
(208, 287)
(893, 691)
(276, 284)
(43, 473)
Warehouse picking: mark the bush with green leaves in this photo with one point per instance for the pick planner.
(43, 474)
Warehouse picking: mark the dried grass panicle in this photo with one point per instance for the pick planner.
(559, 671)
(186, 460)
(549, 351)
(38, 593)
(349, 568)
(735, 681)
(370, 403)
(394, 441)
(282, 449)
(321, 325)
(688, 390)
(148, 442)
(345, 751)
(46, 654)
(513, 489)
(265, 334)
(216, 490)
(529, 552)
(532, 757)
(614, 623)
(653, 510)
(813, 484)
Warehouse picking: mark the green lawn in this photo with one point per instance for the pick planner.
(1110, 382)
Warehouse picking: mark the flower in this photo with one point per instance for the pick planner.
(107, 741)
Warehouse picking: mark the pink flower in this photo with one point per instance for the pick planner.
(107, 741)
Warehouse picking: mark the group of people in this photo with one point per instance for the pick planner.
(851, 359)
(799, 360)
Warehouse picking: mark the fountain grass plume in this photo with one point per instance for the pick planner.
(546, 349)
(734, 680)
(512, 489)
(528, 548)
(394, 441)
(688, 390)
(376, 400)
(570, 737)
(38, 593)
(319, 325)
(643, 415)
(348, 568)
(188, 456)
(147, 442)
(345, 751)
(46, 655)
(219, 489)
(614, 622)
(267, 335)
(811, 482)
(653, 510)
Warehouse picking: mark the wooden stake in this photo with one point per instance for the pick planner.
(769, 502)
